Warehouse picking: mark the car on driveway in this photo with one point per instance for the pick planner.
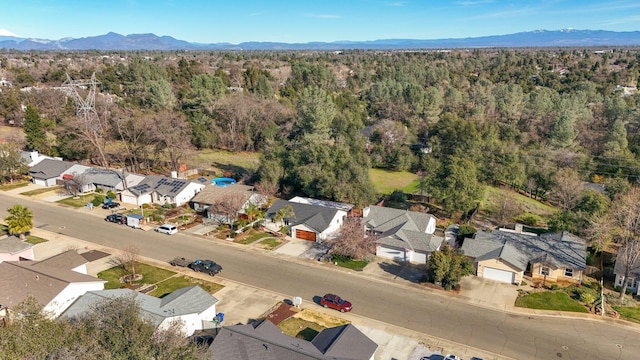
(335, 302)
(110, 205)
(452, 357)
(167, 229)
(116, 218)
(206, 266)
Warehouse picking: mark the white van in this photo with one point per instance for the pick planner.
(167, 229)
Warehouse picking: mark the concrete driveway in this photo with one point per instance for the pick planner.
(485, 292)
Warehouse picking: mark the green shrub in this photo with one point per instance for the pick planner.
(99, 190)
(585, 295)
(146, 206)
(466, 230)
(169, 206)
(97, 200)
(111, 194)
(555, 287)
(528, 219)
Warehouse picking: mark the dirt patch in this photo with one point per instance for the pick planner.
(281, 313)
(321, 319)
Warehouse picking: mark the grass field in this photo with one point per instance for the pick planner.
(52, 189)
(387, 182)
(15, 185)
(221, 161)
(81, 201)
(171, 284)
(629, 313)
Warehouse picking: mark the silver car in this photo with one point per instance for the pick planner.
(167, 229)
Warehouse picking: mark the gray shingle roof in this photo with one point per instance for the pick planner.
(49, 168)
(264, 341)
(315, 217)
(557, 249)
(211, 193)
(189, 300)
(67, 260)
(103, 177)
(619, 267)
(12, 245)
(402, 229)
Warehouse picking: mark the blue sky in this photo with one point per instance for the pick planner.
(234, 21)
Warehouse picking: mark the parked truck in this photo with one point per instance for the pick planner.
(180, 261)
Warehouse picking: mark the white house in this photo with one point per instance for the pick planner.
(191, 307)
(402, 235)
(162, 190)
(309, 222)
(633, 281)
(48, 171)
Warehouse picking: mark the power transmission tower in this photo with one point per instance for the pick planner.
(85, 106)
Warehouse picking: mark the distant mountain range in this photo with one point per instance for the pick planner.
(538, 38)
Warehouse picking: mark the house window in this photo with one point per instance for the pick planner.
(568, 272)
(544, 270)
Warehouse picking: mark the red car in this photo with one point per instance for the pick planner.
(335, 302)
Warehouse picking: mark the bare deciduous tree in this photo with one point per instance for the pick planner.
(568, 188)
(76, 184)
(225, 209)
(172, 134)
(127, 259)
(352, 241)
(626, 219)
(506, 208)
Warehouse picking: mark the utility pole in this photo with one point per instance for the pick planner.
(602, 296)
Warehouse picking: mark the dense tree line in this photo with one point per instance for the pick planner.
(320, 120)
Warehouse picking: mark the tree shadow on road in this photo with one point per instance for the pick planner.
(404, 270)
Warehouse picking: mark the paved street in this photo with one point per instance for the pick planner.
(412, 307)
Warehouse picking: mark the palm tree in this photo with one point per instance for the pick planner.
(283, 213)
(252, 211)
(20, 220)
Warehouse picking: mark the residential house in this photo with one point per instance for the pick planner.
(508, 255)
(633, 281)
(402, 235)
(48, 171)
(213, 194)
(110, 180)
(54, 283)
(309, 222)
(191, 306)
(265, 341)
(162, 190)
(14, 249)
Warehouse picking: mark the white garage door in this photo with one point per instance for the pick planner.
(499, 275)
(389, 253)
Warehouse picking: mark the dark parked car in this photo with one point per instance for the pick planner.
(206, 266)
(335, 302)
(116, 218)
(110, 205)
(203, 340)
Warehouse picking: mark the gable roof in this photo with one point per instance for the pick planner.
(265, 341)
(561, 249)
(619, 267)
(314, 217)
(49, 168)
(21, 279)
(104, 177)
(325, 203)
(67, 260)
(189, 300)
(402, 229)
(211, 193)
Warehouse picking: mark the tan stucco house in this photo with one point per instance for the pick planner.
(508, 255)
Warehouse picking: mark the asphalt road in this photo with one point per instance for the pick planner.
(425, 311)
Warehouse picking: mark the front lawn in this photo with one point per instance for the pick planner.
(629, 313)
(250, 237)
(79, 202)
(349, 263)
(7, 187)
(270, 243)
(41, 191)
(550, 300)
(150, 275)
(34, 240)
(178, 282)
